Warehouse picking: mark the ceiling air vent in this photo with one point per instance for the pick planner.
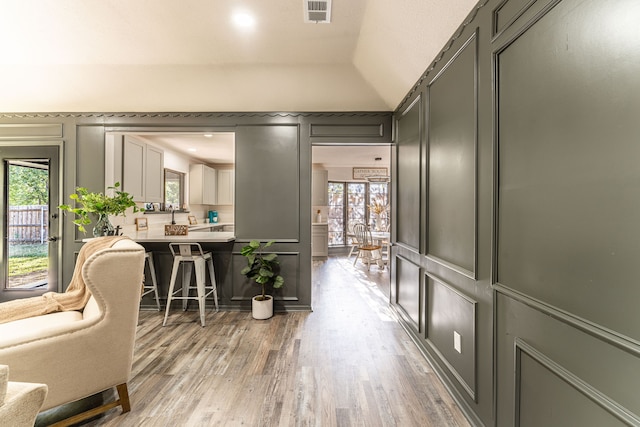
(317, 11)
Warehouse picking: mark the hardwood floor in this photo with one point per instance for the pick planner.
(347, 363)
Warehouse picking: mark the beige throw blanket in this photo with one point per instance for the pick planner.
(75, 297)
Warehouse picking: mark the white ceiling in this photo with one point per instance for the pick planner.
(168, 55)
(219, 148)
(211, 147)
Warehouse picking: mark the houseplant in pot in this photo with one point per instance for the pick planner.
(100, 206)
(263, 269)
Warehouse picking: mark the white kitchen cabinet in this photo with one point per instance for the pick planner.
(154, 175)
(133, 168)
(320, 240)
(319, 182)
(203, 187)
(226, 187)
(137, 166)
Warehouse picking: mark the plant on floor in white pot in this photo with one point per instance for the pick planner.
(263, 270)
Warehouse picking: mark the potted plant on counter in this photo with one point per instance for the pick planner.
(263, 270)
(101, 206)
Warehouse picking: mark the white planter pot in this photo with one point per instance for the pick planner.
(262, 309)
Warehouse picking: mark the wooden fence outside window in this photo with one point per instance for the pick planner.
(28, 224)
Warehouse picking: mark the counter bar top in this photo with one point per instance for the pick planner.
(208, 225)
(192, 237)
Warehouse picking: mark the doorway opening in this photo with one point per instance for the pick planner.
(194, 173)
(29, 227)
(357, 189)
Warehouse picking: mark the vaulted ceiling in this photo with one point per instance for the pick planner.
(188, 55)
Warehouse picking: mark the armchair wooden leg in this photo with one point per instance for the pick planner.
(123, 401)
(123, 394)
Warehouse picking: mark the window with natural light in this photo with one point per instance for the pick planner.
(353, 202)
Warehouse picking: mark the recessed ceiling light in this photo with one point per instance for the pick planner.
(193, 150)
(243, 20)
(208, 135)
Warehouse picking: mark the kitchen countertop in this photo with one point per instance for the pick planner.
(192, 237)
(205, 226)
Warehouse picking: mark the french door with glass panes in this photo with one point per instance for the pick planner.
(351, 203)
(30, 181)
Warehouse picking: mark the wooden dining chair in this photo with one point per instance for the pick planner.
(354, 242)
(386, 246)
(366, 249)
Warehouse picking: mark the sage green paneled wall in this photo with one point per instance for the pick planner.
(273, 180)
(268, 169)
(528, 191)
(407, 176)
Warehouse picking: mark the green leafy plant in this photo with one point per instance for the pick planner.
(98, 204)
(263, 269)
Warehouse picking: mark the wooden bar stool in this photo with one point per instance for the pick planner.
(153, 287)
(189, 255)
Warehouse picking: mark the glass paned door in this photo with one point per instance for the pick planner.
(356, 204)
(29, 226)
(336, 214)
(379, 206)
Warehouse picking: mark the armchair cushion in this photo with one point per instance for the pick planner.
(37, 327)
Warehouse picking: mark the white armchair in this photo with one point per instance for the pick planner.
(19, 402)
(81, 353)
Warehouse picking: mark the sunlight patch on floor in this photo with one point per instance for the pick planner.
(369, 289)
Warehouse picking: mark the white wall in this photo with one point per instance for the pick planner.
(343, 173)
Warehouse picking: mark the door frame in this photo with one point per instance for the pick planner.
(57, 229)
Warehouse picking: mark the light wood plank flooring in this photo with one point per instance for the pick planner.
(347, 363)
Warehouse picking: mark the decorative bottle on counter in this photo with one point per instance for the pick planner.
(318, 216)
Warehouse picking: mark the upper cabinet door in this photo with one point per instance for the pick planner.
(319, 192)
(210, 186)
(142, 171)
(154, 171)
(202, 185)
(133, 168)
(137, 166)
(226, 187)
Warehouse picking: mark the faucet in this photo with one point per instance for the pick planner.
(173, 216)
